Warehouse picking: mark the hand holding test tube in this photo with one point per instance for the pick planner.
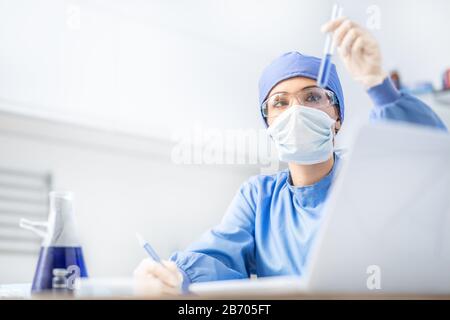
(357, 48)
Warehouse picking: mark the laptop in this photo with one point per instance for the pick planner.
(386, 226)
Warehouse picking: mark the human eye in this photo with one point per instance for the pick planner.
(313, 97)
(279, 102)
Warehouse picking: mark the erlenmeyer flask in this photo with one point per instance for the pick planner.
(60, 248)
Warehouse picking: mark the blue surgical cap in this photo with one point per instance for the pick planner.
(295, 64)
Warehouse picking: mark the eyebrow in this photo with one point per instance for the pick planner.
(307, 87)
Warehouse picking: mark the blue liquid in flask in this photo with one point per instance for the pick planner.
(61, 259)
(50, 258)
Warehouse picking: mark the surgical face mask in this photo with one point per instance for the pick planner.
(303, 135)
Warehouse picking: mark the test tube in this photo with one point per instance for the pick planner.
(325, 65)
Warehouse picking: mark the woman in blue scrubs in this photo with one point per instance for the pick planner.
(272, 220)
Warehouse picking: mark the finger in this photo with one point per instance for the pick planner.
(156, 283)
(174, 268)
(163, 288)
(142, 268)
(341, 32)
(171, 266)
(151, 286)
(348, 41)
(358, 45)
(332, 25)
(145, 267)
(166, 275)
(149, 266)
(171, 290)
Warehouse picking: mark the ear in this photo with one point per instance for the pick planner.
(337, 126)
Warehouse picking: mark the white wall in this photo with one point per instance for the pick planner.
(146, 67)
(150, 67)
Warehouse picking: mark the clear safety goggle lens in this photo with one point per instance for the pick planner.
(311, 97)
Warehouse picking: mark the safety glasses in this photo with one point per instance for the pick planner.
(313, 97)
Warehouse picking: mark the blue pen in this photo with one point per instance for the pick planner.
(152, 253)
(325, 65)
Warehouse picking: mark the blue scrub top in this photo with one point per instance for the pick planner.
(270, 224)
